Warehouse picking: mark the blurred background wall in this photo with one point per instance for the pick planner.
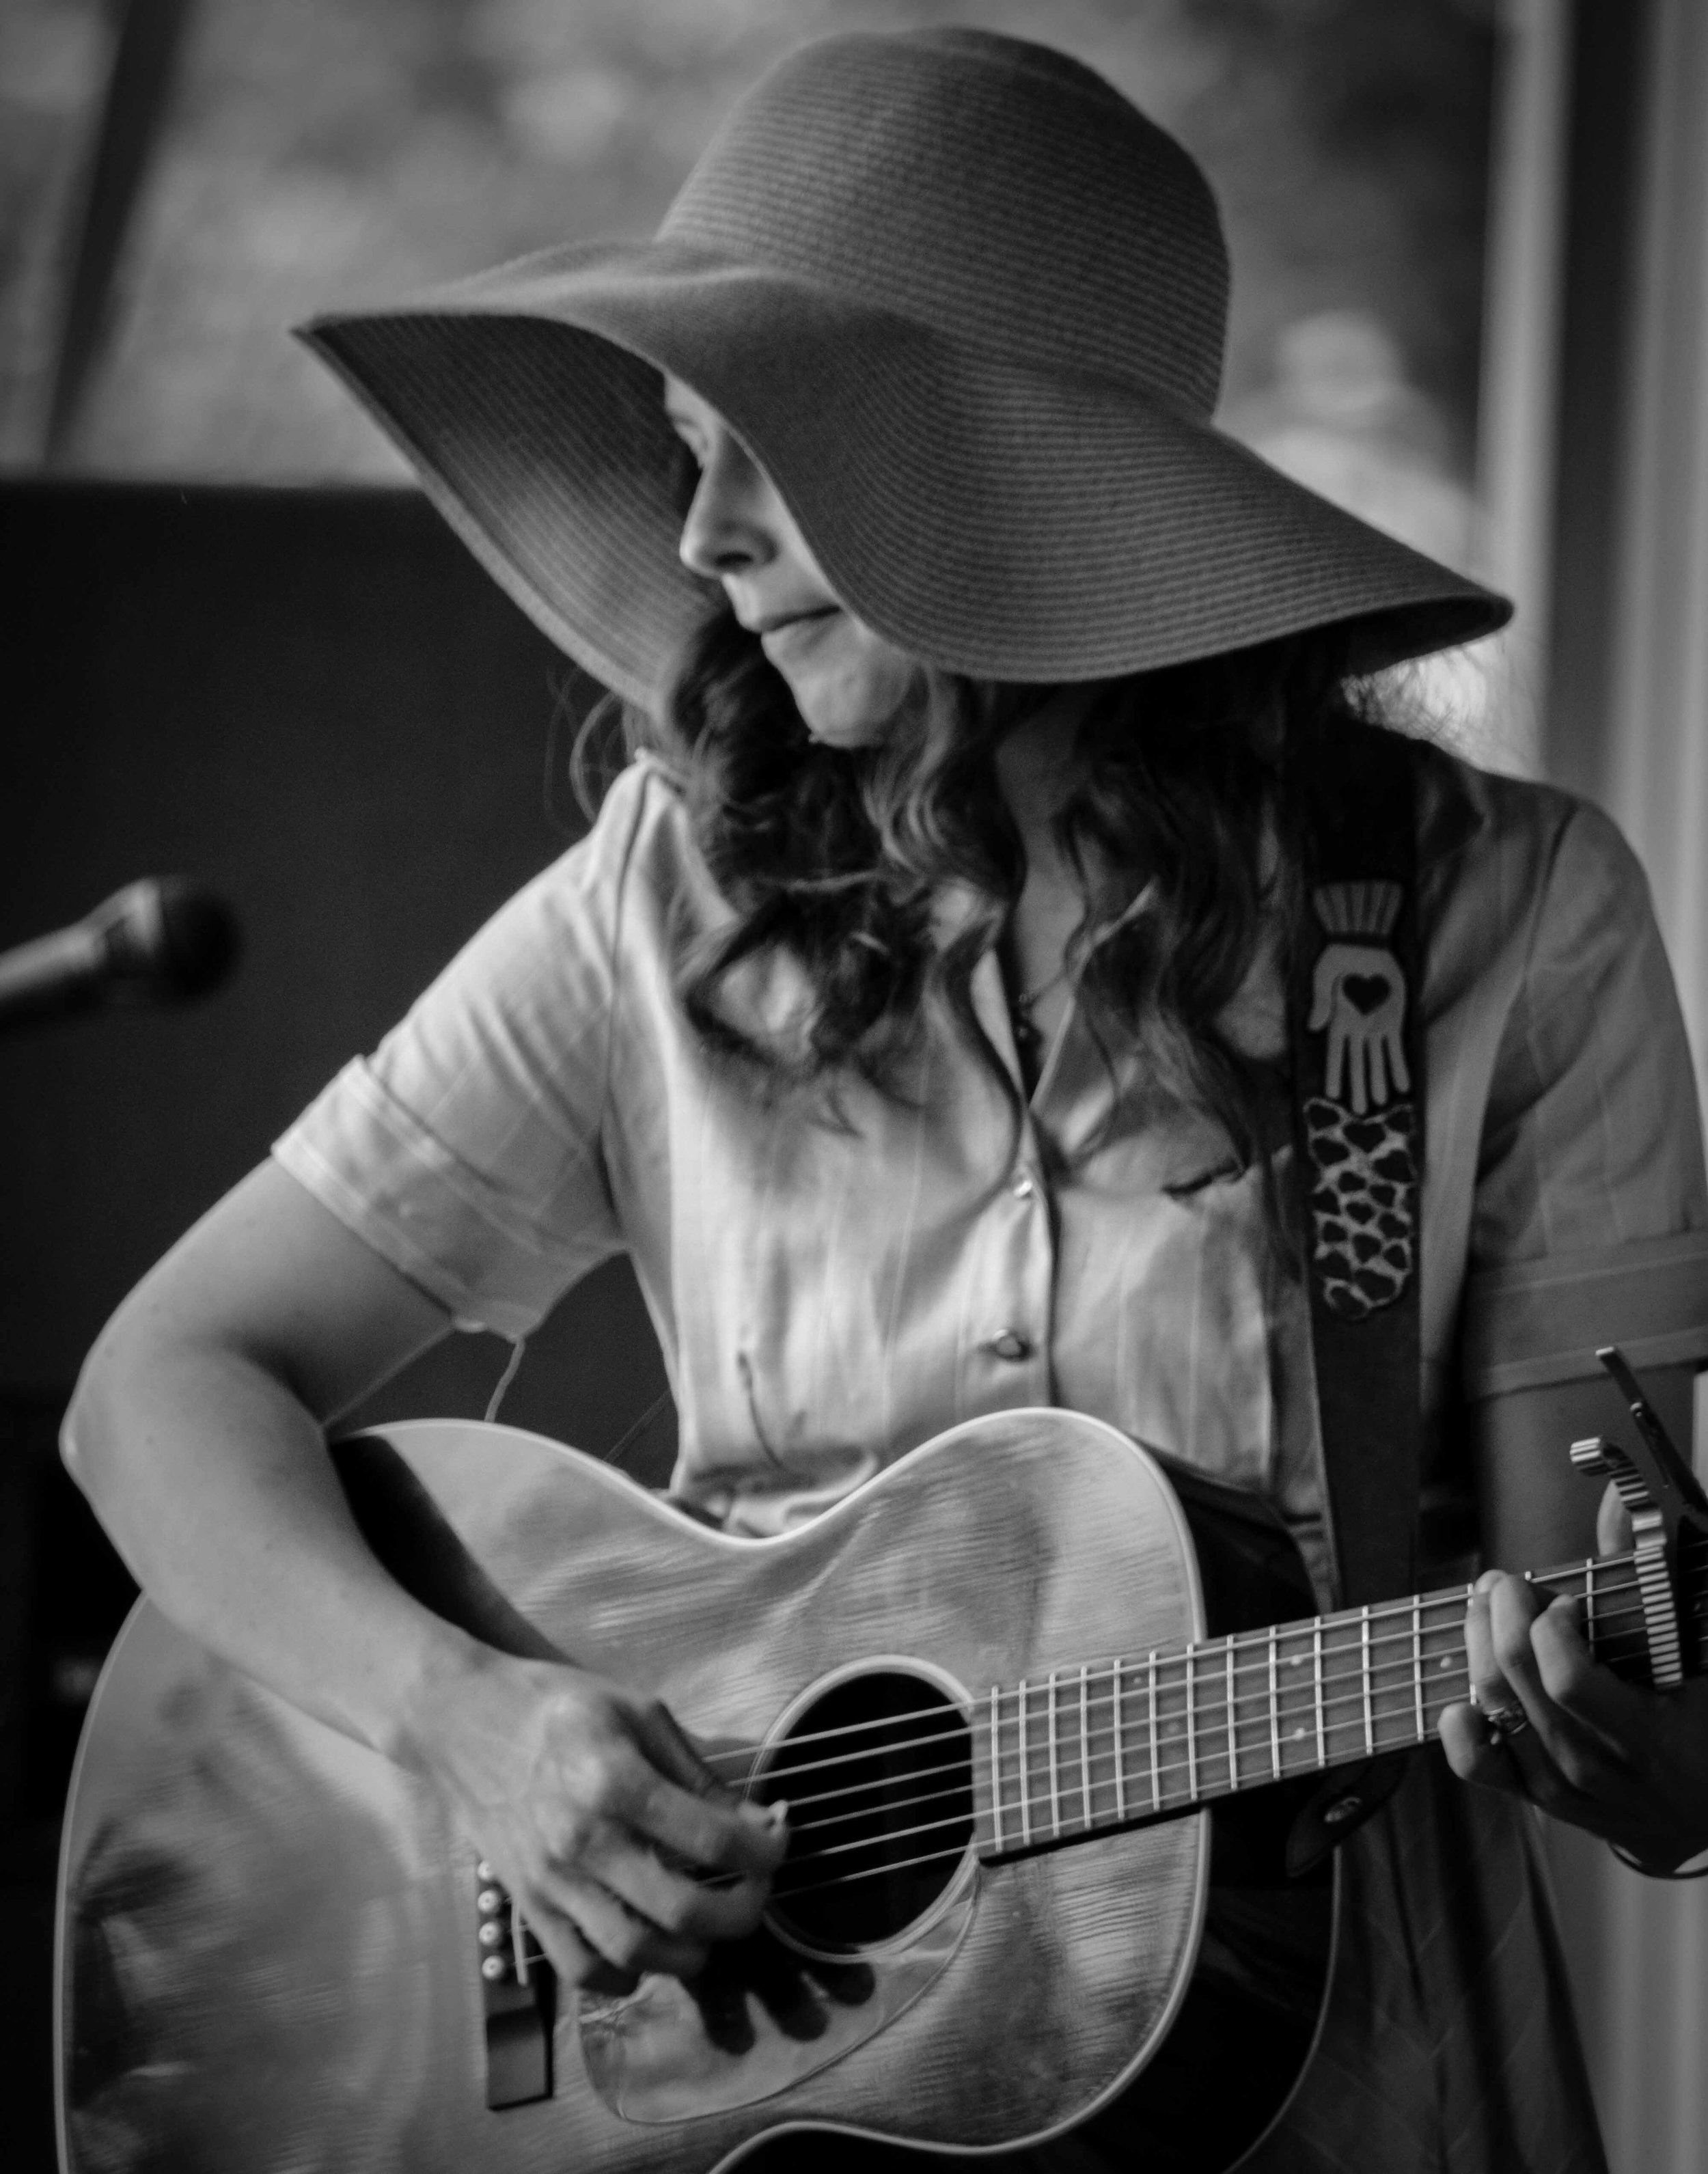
(1469, 241)
(1595, 462)
(183, 183)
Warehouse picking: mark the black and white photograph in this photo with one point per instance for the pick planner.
(853, 1001)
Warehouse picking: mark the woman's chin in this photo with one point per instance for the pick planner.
(839, 717)
(850, 713)
(848, 734)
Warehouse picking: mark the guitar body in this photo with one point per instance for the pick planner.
(268, 1935)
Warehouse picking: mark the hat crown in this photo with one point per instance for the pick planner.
(994, 190)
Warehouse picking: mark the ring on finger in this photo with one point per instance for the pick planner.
(1505, 1723)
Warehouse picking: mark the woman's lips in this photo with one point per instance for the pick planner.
(791, 637)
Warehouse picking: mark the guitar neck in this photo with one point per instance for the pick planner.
(1087, 1750)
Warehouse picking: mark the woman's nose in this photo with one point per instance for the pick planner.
(726, 530)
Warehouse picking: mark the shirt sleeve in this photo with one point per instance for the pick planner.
(465, 1151)
(1591, 1219)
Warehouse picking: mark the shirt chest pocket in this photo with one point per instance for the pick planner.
(1165, 1308)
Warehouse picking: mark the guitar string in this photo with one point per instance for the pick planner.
(1211, 1723)
(1228, 1721)
(1087, 1823)
(1252, 1720)
(785, 1891)
(1257, 1643)
(791, 1888)
(876, 1872)
(1253, 1707)
(891, 1834)
(1211, 1752)
(865, 1788)
(1204, 1664)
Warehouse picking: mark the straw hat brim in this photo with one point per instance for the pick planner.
(985, 516)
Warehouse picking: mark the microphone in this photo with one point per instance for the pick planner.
(164, 940)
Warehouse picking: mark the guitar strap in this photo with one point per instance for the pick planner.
(1357, 1052)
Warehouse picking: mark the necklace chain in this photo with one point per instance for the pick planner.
(1026, 999)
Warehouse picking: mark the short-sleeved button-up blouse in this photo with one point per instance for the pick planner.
(830, 1295)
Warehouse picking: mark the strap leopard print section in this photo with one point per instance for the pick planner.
(1358, 1072)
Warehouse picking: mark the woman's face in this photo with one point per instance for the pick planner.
(848, 682)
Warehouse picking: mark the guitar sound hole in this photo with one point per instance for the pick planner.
(878, 1777)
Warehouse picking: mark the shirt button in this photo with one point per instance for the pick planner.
(1021, 1184)
(1009, 1343)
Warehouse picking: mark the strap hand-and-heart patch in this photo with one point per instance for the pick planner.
(1359, 1136)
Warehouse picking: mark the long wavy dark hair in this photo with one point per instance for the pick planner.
(1183, 831)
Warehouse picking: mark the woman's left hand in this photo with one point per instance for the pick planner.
(1629, 1765)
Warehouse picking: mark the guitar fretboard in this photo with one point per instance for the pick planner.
(1086, 1749)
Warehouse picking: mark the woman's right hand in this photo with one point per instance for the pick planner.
(620, 1847)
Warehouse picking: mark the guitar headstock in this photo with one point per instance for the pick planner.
(1669, 1522)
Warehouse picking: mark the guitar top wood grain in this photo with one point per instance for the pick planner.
(266, 1931)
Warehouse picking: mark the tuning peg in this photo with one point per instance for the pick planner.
(1599, 1458)
(1646, 1488)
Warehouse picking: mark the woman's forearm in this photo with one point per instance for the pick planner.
(214, 1483)
(196, 1432)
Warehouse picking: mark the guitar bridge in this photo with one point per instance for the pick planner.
(518, 1998)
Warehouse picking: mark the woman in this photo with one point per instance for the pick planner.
(916, 1016)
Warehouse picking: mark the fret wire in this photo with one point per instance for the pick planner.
(1233, 1726)
(1275, 1700)
(1435, 1699)
(1084, 1748)
(997, 1765)
(1241, 1694)
(1213, 1789)
(1437, 1696)
(942, 1795)
(1055, 1776)
(1120, 1752)
(1589, 1623)
(1561, 1580)
(1398, 1614)
(1597, 1606)
(1025, 1776)
(1155, 1782)
(1417, 1665)
(1191, 1732)
(1247, 1689)
(1368, 1716)
(1253, 1641)
(1157, 1788)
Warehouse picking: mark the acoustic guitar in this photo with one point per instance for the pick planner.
(1045, 1717)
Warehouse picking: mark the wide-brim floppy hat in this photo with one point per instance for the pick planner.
(966, 306)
